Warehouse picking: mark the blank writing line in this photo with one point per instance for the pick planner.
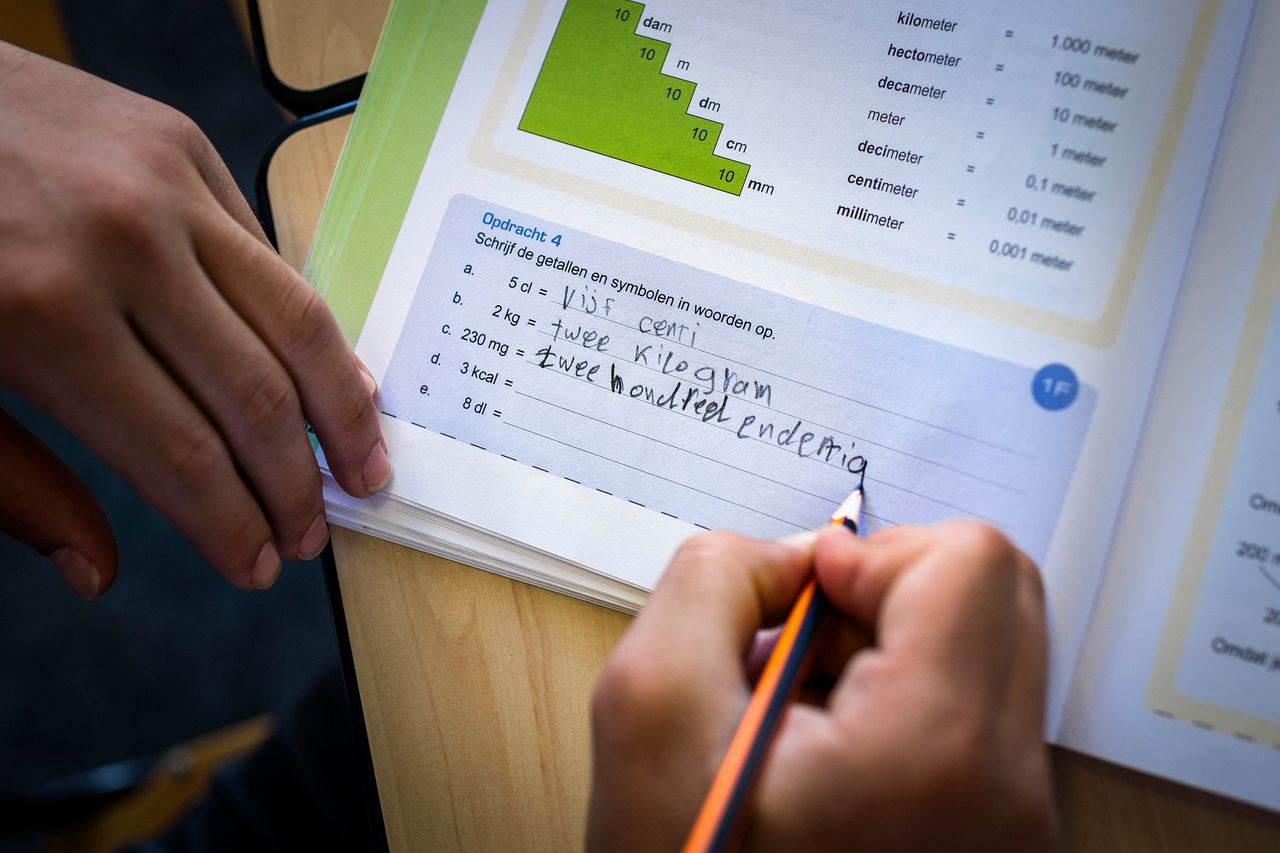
(659, 476)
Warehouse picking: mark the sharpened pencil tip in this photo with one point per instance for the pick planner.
(850, 509)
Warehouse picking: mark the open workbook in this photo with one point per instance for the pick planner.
(624, 271)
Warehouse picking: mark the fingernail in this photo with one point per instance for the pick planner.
(804, 539)
(267, 568)
(78, 571)
(377, 468)
(313, 542)
(370, 384)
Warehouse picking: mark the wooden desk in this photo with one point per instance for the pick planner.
(476, 688)
(311, 46)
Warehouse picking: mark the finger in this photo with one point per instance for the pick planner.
(133, 415)
(44, 504)
(1028, 680)
(294, 323)
(942, 599)
(761, 647)
(249, 397)
(670, 695)
(735, 586)
(839, 638)
(857, 572)
(683, 657)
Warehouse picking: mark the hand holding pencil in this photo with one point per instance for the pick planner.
(930, 736)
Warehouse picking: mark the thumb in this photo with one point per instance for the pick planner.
(719, 590)
(670, 696)
(44, 504)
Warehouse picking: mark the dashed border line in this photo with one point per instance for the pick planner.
(545, 471)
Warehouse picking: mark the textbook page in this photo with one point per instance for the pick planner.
(1180, 673)
(674, 266)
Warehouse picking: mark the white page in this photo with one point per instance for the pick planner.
(1178, 675)
(972, 304)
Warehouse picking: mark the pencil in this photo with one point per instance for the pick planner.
(783, 673)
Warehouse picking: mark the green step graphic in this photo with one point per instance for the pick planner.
(601, 88)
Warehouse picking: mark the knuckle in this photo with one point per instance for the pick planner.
(634, 695)
(306, 322)
(233, 555)
(873, 670)
(269, 400)
(41, 394)
(38, 294)
(173, 128)
(310, 498)
(20, 516)
(1029, 572)
(357, 412)
(984, 542)
(196, 456)
(709, 548)
(301, 506)
(1031, 817)
(960, 768)
(118, 213)
(44, 305)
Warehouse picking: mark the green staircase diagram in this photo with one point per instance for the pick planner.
(602, 89)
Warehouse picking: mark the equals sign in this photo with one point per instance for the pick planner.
(519, 352)
(542, 291)
(959, 202)
(497, 414)
(532, 322)
(968, 168)
(990, 101)
(1000, 66)
(982, 134)
(951, 235)
(508, 383)
(1008, 34)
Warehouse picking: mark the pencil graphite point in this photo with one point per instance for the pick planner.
(850, 508)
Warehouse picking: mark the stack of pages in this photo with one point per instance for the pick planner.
(626, 271)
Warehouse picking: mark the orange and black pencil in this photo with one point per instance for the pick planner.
(784, 671)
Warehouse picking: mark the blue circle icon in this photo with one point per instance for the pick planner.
(1055, 387)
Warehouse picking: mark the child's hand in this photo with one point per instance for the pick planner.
(930, 738)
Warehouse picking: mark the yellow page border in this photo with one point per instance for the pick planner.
(1163, 695)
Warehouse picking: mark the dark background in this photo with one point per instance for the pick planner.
(171, 651)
